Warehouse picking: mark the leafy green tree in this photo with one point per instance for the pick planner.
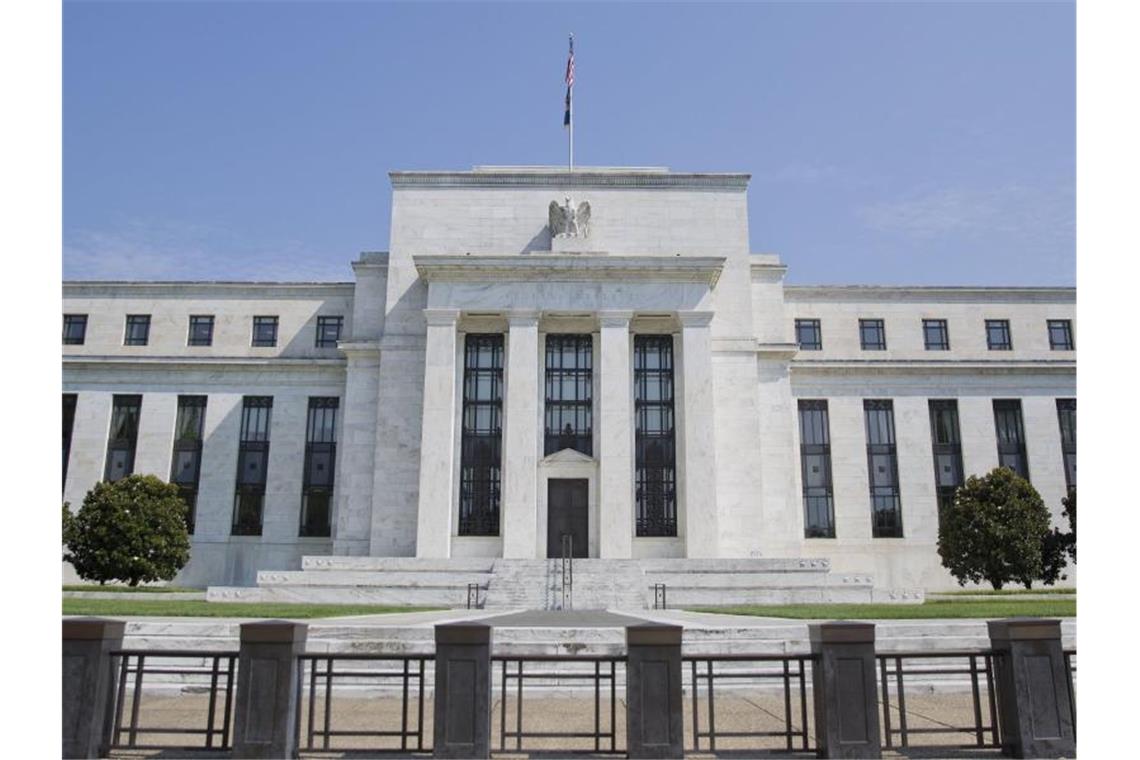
(994, 531)
(132, 530)
(1070, 511)
(1057, 545)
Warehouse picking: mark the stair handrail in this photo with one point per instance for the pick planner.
(567, 571)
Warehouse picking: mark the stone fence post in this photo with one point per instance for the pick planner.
(265, 711)
(89, 684)
(1035, 708)
(843, 690)
(462, 691)
(653, 722)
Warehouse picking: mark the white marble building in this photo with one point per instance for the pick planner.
(642, 386)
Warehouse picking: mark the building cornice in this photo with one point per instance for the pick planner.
(927, 293)
(560, 178)
(1060, 366)
(200, 362)
(79, 288)
(570, 268)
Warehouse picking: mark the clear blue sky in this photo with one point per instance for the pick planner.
(888, 143)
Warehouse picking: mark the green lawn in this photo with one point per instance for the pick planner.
(198, 608)
(1007, 591)
(966, 608)
(120, 589)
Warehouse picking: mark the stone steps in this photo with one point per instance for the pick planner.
(537, 583)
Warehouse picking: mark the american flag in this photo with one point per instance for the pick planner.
(570, 64)
(569, 82)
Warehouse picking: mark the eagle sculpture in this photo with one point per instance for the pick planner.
(569, 221)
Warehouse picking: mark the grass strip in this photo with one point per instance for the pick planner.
(201, 608)
(940, 608)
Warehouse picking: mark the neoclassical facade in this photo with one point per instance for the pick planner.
(546, 362)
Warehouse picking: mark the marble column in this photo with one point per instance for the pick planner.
(615, 437)
(698, 465)
(520, 439)
(437, 438)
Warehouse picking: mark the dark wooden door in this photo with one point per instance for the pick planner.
(567, 511)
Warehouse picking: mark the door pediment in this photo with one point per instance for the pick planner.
(567, 456)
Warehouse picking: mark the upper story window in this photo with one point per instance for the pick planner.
(872, 335)
(201, 330)
(808, 335)
(1067, 417)
(74, 329)
(1060, 335)
(997, 335)
(569, 394)
(328, 331)
(264, 331)
(936, 334)
(138, 330)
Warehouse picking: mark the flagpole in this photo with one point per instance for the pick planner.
(571, 107)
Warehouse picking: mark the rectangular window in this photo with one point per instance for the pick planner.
(936, 334)
(997, 335)
(253, 459)
(872, 335)
(264, 331)
(1060, 335)
(122, 438)
(320, 467)
(201, 330)
(815, 463)
(569, 394)
(69, 400)
(1010, 436)
(328, 331)
(480, 459)
(74, 329)
(808, 335)
(655, 457)
(137, 331)
(1067, 417)
(883, 469)
(186, 463)
(947, 443)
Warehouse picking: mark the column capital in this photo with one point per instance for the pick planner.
(441, 317)
(522, 318)
(615, 318)
(695, 318)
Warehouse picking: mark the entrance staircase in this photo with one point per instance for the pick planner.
(624, 584)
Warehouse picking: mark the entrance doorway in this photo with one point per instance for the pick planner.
(567, 512)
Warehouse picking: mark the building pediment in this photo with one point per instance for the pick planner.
(567, 456)
(570, 268)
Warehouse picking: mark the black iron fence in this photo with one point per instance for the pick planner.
(197, 668)
(318, 674)
(601, 671)
(793, 671)
(947, 667)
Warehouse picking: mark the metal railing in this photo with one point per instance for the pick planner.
(473, 596)
(792, 671)
(316, 676)
(977, 664)
(567, 571)
(134, 664)
(659, 596)
(604, 671)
